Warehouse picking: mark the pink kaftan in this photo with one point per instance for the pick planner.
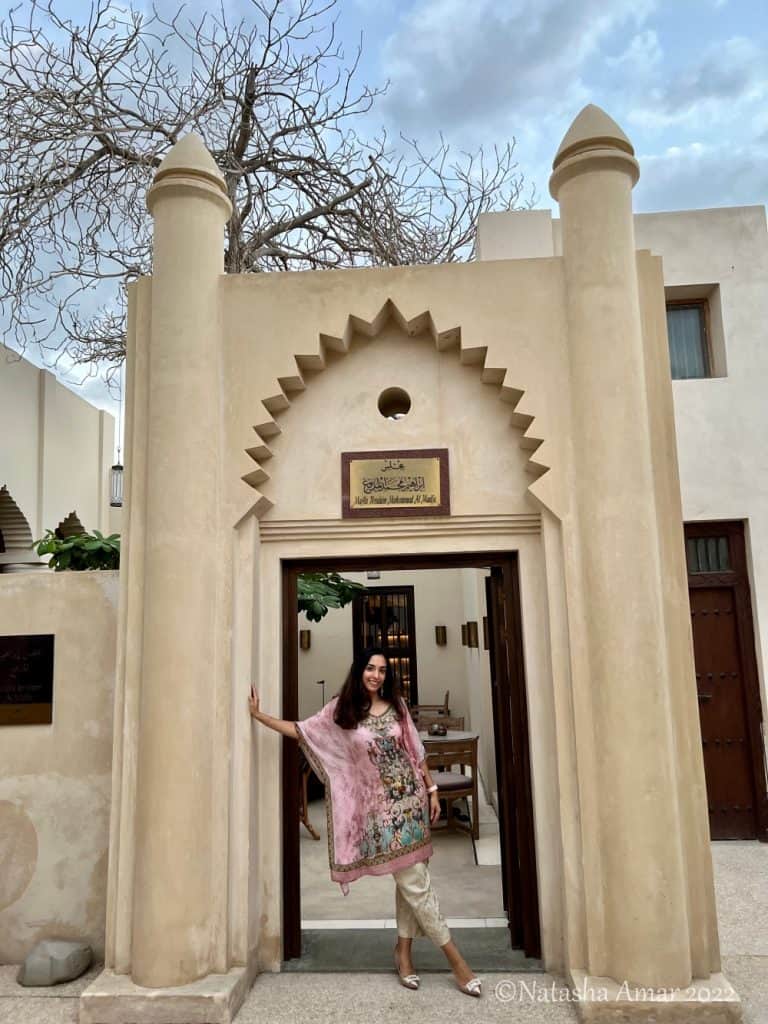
(375, 800)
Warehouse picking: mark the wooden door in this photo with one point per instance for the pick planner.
(515, 795)
(726, 680)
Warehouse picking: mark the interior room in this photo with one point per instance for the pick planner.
(433, 624)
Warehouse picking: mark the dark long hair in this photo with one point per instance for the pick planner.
(354, 703)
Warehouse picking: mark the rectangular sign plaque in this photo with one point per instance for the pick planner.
(401, 483)
(26, 679)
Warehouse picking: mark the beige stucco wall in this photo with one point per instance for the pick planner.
(55, 779)
(491, 342)
(56, 450)
(721, 422)
(500, 333)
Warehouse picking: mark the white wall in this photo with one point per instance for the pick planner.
(721, 422)
(438, 600)
(477, 666)
(56, 449)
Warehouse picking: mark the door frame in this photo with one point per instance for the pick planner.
(524, 920)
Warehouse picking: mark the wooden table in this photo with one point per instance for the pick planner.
(468, 740)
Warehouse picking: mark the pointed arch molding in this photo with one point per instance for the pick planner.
(445, 340)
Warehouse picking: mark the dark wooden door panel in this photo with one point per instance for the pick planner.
(513, 760)
(730, 709)
(723, 714)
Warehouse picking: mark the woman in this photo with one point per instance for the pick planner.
(365, 748)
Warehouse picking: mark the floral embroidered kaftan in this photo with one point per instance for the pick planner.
(376, 804)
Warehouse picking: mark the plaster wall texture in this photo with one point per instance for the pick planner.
(57, 449)
(500, 314)
(721, 422)
(55, 779)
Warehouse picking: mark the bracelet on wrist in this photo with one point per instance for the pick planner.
(432, 789)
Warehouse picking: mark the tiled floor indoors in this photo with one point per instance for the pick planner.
(466, 891)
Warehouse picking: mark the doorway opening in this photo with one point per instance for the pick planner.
(472, 672)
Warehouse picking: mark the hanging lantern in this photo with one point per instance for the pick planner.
(116, 490)
(116, 499)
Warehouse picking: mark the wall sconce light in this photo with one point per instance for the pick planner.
(485, 633)
(472, 634)
(463, 634)
(441, 636)
(305, 639)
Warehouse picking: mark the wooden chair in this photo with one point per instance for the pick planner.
(449, 721)
(431, 709)
(452, 785)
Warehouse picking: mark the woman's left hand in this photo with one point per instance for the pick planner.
(434, 808)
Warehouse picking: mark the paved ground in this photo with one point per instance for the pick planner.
(741, 874)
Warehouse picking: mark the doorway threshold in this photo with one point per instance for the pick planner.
(370, 950)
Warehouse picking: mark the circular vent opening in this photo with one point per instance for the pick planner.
(394, 403)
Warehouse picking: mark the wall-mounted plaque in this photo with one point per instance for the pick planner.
(26, 680)
(402, 483)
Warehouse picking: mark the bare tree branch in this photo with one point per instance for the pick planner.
(89, 108)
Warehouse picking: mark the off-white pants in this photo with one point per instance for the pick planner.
(416, 907)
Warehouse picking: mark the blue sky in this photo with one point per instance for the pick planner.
(687, 81)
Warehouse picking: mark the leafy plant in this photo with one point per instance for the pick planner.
(319, 591)
(83, 551)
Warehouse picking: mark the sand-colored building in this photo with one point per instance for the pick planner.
(541, 377)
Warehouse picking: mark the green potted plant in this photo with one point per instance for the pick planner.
(80, 552)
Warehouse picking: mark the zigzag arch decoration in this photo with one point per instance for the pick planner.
(17, 535)
(70, 526)
(445, 341)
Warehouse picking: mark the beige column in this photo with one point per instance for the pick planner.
(172, 928)
(637, 916)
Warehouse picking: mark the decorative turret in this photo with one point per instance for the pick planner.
(593, 141)
(176, 508)
(620, 528)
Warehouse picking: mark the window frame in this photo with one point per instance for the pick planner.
(694, 303)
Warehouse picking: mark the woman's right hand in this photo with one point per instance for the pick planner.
(253, 703)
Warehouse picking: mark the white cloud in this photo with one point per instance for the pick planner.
(728, 73)
(700, 175)
(643, 54)
(460, 66)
